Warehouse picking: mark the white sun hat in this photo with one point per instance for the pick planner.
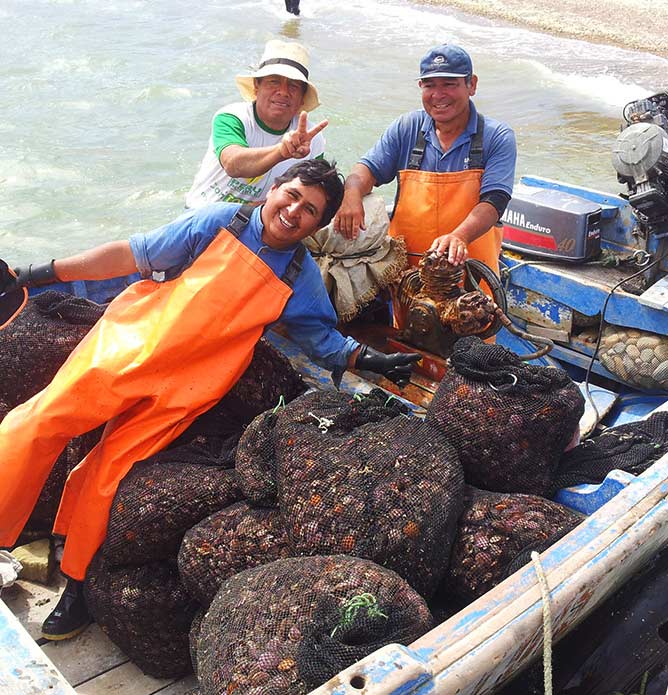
(286, 58)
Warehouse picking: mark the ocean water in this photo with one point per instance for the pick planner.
(106, 104)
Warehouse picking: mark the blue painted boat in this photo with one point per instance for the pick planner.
(484, 645)
(590, 269)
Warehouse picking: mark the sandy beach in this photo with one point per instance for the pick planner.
(640, 25)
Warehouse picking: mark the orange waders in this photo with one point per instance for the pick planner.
(162, 354)
(431, 204)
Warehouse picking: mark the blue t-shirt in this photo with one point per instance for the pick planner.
(391, 153)
(308, 314)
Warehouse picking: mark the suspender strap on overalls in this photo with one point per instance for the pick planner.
(475, 151)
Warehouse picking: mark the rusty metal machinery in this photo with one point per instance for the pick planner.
(442, 303)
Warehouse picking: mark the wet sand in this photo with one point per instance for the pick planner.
(640, 25)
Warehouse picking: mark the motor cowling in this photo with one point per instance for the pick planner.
(640, 156)
(641, 152)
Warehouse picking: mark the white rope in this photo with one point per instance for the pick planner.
(324, 423)
(547, 623)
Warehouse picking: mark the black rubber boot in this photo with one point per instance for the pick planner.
(70, 616)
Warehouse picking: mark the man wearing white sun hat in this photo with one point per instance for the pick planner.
(254, 141)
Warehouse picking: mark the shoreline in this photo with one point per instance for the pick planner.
(638, 25)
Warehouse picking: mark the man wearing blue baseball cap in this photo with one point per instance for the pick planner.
(455, 168)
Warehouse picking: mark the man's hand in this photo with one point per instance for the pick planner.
(349, 218)
(456, 248)
(296, 144)
(396, 366)
(8, 281)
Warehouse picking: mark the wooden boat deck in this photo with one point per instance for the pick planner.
(90, 663)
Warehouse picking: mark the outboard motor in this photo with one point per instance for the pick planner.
(640, 157)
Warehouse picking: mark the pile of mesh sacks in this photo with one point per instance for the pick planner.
(343, 523)
(289, 533)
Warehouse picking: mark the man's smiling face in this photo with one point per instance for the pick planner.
(278, 100)
(446, 99)
(292, 212)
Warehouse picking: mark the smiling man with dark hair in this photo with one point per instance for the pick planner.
(165, 352)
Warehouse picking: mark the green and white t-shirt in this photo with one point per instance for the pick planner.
(238, 124)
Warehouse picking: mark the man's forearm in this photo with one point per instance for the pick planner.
(359, 182)
(248, 162)
(110, 260)
(477, 222)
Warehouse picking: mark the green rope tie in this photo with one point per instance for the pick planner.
(351, 608)
(280, 404)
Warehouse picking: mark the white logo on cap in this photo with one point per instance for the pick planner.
(439, 59)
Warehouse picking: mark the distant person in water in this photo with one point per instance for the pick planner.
(254, 141)
(292, 6)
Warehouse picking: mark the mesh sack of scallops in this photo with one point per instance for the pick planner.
(289, 626)
(146, 611)
(39, 340)
(495, 536)
(227, 542)
(193, 636)
(632, 447)
(509, 421)
(355, 477)
(270, 378)
(255, 461)
(159, 500)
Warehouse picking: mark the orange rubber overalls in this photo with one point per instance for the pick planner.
(162, 354)
(430, 204)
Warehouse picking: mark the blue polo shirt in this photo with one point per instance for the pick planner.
(308, 314)
(499, 150)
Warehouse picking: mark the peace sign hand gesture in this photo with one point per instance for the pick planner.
(296, 144)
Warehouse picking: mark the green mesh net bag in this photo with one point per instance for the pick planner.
(227, 542)
(145, 611)
(288, 626)
(367, 482)
(160, 499)
(509, 421)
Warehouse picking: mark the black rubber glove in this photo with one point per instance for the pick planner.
(396, 366)
(8, 281)
(12, 296)
(36, 275)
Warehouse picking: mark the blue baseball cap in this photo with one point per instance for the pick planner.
(447, 60)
